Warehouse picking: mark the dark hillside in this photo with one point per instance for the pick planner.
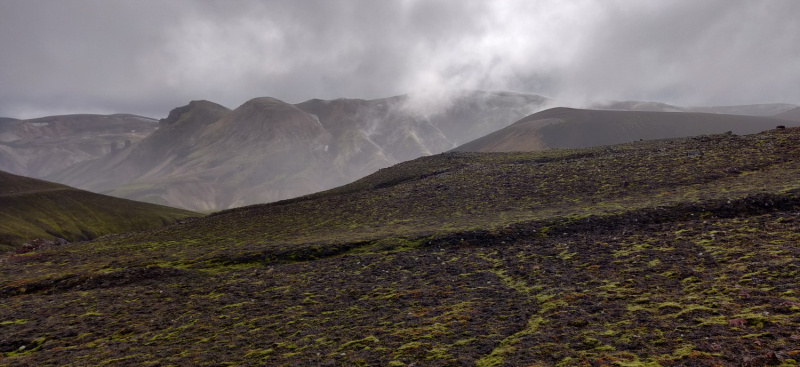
(792, 115)
(574, 128)
(31, 209)
(677, 252)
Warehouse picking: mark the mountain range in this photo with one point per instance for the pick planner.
(205, 157)
(571, 237)
(41, 146)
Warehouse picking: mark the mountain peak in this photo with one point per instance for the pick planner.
(265, 103)
(202, 105)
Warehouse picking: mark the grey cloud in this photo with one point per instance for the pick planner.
(149, 56)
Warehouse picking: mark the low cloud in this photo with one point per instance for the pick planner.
(147, 57)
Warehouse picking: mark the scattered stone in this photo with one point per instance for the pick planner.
(37, 244)
(40, 244)
(732, 170)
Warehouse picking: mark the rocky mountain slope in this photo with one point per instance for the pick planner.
(150, 158)
(677, 252)
(267, 150)
(575, 128)
(39, 147)
(35, 209)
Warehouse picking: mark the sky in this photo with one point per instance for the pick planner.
(149, 56)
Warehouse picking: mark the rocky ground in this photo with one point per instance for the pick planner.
(679, 252)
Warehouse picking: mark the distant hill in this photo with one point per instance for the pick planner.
(41, 146)
(765, 109)
(793, 115)
(576, 128)
(32, 208)
(268, 150)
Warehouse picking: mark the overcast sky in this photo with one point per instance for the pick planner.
(147, 57)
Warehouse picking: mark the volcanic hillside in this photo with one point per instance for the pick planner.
(35, 209)
(41, 146)
(574, 128)
(793, 114)
(267, 150)
(678, 252)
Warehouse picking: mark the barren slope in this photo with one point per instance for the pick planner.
(574, 128)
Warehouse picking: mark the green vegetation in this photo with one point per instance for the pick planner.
(629, 255)
(31, 209)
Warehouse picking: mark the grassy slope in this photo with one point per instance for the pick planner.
(643, 254)
(31, 208)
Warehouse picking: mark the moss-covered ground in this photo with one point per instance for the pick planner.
(31, 209)
(679, 252)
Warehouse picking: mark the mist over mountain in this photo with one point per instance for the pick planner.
(764, 109)
(577, 128)
(205, 157)
(41, 146)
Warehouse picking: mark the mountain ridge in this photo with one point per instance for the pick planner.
(267, 150)
(41, 146)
